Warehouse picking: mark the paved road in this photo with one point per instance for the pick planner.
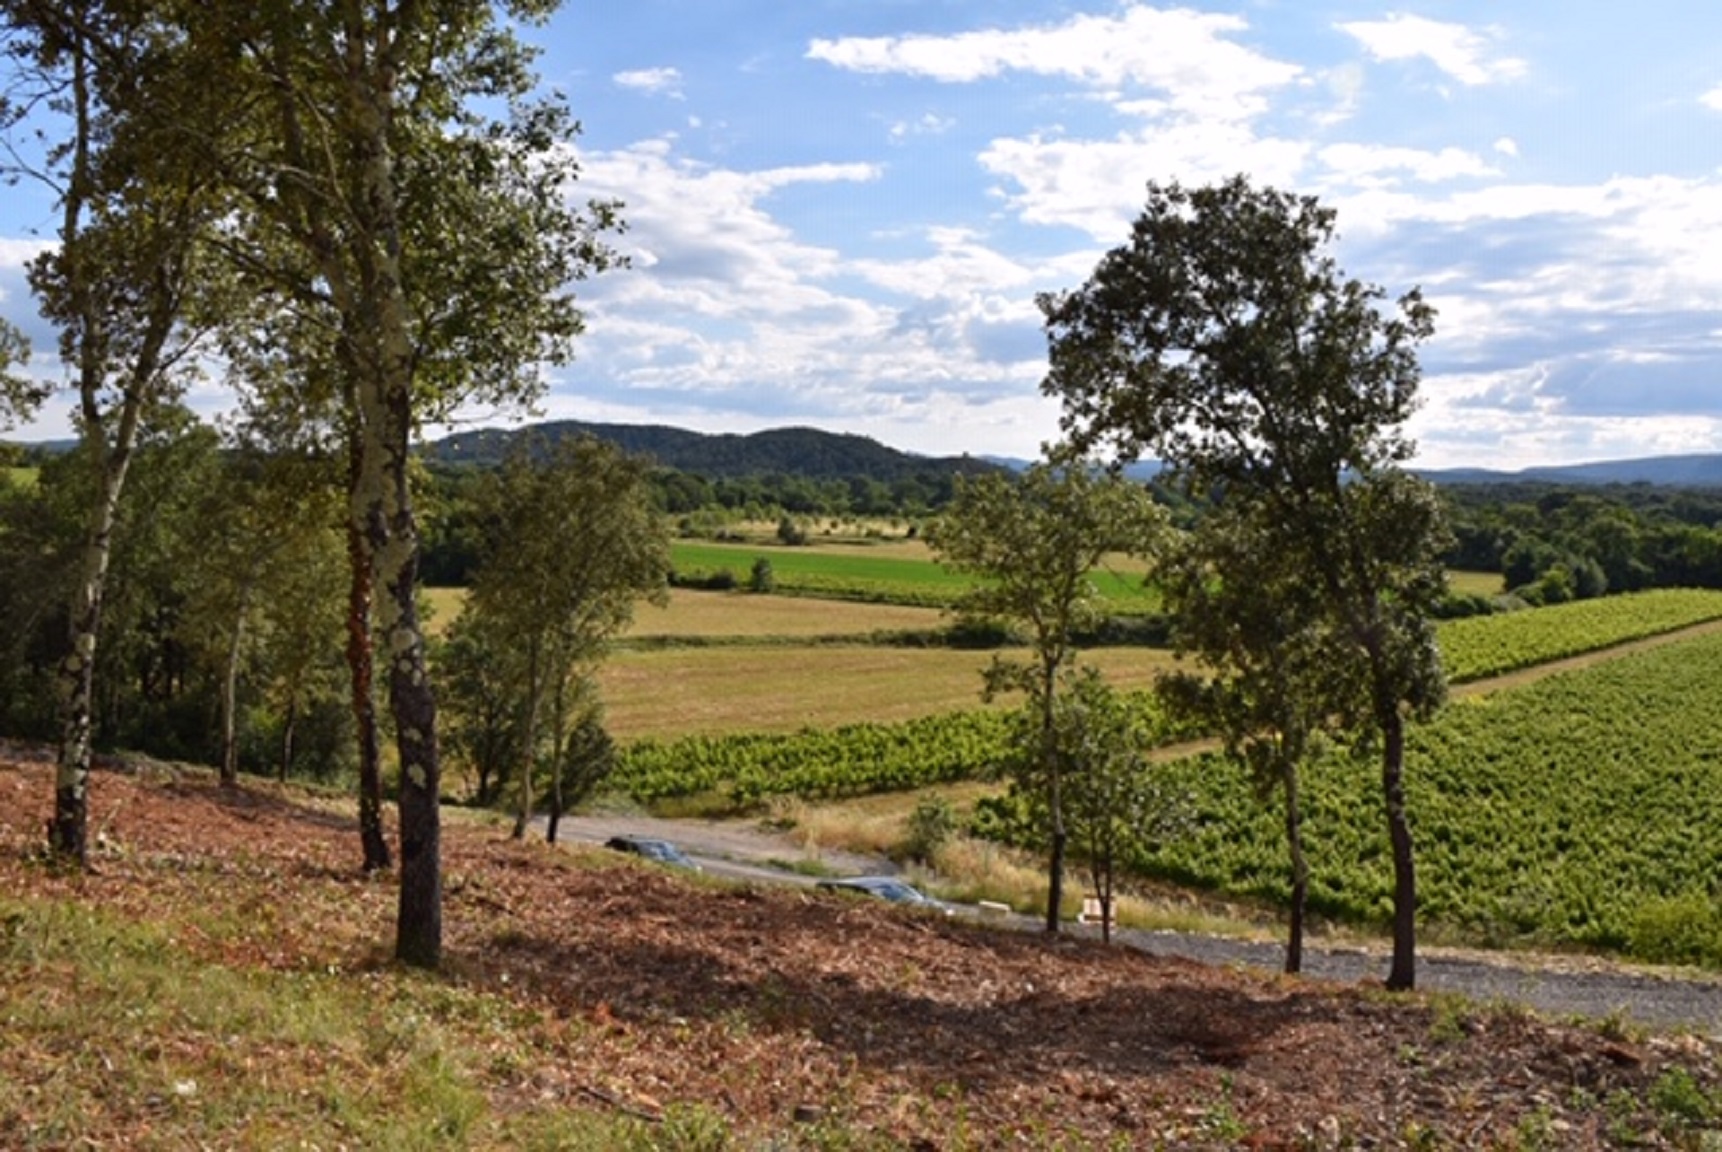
(1556, 985)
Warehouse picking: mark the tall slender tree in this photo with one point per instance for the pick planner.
(574, 541)
(133, 219)
(1265, 679)
(1224, 339)
(437, 247)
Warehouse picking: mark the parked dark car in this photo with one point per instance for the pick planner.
(651, 848)
(892, 888)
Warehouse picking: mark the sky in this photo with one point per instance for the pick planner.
(840, 211)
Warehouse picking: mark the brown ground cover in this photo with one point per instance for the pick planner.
(636, 991)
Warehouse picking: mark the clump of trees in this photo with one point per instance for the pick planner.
(1033, 540)
(329, 191)
(570, 544)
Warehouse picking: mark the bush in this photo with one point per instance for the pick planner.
(722, 580)
(1677, 930)
(762, 578)
(931, 826)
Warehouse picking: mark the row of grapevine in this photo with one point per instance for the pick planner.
(853, 760)
(1481, 646)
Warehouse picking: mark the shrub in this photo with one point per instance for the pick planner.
(931, 826)
(761, 578)
(1677, 930)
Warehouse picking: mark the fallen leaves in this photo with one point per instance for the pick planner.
(582, 980)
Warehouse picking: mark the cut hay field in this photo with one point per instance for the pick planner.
(713, 615)
(783, 688)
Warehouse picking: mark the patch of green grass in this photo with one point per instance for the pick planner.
(1476, 583)
(116, 1022)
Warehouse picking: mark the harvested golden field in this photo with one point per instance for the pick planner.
(782, 687)
(714, 615)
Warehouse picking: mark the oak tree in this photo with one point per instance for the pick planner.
(1224, 339)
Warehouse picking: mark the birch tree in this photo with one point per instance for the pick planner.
(132, 220)
(436, 246)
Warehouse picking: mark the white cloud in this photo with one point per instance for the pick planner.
(1366, 165)
(656, 81)
(1345, 84)
(1178, 51)
(1506, 146)
(927, 124)
(1712, 99)
(16, 253)
(1098, 185)
(1455, 49)
(728, 318)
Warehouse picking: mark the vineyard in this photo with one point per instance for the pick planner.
(853, 760)
(1481, 646)
(1584, 809)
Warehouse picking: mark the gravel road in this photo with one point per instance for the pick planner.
(1556, 985)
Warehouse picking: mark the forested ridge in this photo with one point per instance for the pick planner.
(807, 452)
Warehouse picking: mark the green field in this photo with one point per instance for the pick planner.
(860, 573)
(1582, 809)
(19, 477)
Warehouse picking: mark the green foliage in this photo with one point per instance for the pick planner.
(20, 396)
(1684, 929)
(588, 758)
(761, 578)
(1224, 339)
(790, 533)
(1678, 1097)
(853, 760)
(1033, 542)
(571, 544)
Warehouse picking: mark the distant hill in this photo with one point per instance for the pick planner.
(1693, 471)
(805, 452)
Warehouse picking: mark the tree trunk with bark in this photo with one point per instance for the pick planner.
(1299, 869)
(363, 525)
(230, 692)
(529, 737)
(1402, 977)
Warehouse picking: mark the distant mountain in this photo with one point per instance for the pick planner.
(1693, 471)
(805, 452)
